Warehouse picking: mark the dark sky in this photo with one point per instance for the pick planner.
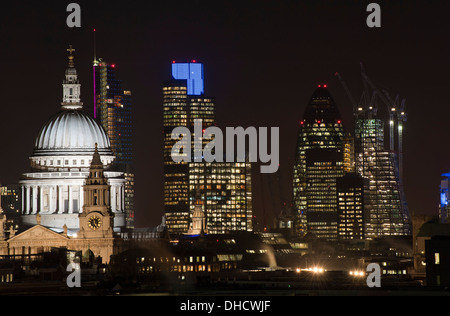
(263, 60)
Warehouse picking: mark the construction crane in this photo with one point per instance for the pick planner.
(350, 96)
(367, 109)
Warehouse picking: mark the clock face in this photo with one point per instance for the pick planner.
(94, 222)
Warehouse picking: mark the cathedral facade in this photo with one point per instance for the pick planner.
(72, 198)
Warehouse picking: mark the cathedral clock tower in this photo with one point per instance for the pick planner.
(96, 220)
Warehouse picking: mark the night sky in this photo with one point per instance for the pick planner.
(263, 60)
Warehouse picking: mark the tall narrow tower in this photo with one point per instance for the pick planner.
(96, 220)
(386, 211)
(71, 86)
(176, 186)
(318, 163)
(113, 109)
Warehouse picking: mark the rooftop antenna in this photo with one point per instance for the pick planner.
(95, 47)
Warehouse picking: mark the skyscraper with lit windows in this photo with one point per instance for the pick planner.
(225, 190)
(350, 190)
(385, 213)
(222, 190)
(176, 178)
(319, 161)
(113, 109)
(324, 166)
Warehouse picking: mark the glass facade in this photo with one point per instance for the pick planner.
(320, 128)
(385, 214)
(350, 191)
(222, 189)
(176, 185)
(226, 195)
(11, 204)
(113, 109)
(323, 168)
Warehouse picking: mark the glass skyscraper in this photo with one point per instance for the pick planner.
(385, 214)
(226, 193)
(176, 178)
(319, 161)
(224, 189)
(350, 191)
(113, 109)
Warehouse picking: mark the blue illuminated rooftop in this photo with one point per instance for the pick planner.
(193, 73)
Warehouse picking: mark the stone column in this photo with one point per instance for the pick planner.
(34, 207)
(23, 198)
(28, 204)
(41, 198)
(70, 200)
(121, 188)
(113, 199)
(50, 199)
(60, 200)
(81, 199)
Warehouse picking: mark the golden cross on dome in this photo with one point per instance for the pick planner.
(70, 49)
(71, 57)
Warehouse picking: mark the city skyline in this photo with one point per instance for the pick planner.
(245, 71)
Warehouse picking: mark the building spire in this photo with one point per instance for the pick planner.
(71, 86)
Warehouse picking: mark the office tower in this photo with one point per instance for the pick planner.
(226, 195)
(113, 109)
(176, 179)
(184, 103)
(350, 197)
(199, 107)
(444, 205)
(323, 167)
(320, 128)
(221, 190)
(384, 208)
(193, 74)
(380, 159)
(11, 204)
(349, 153)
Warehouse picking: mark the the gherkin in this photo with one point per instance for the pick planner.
(318, 163)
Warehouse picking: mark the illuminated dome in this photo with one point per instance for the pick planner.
(67, 141)
(71, 131)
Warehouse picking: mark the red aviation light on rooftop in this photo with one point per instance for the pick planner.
(302, 122)
(339, 121)
(114, 66)
(319, 86)
(324, 85)
(194, 61)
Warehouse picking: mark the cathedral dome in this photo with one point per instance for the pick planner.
(71, 131)
(66, 142)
